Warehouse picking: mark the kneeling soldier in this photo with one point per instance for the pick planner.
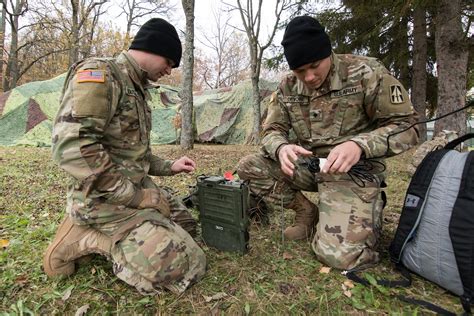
(101, 137)
(343, 108)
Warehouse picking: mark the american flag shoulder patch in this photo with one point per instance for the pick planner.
(90, 76)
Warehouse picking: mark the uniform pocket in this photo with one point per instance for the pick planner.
(298, 112)
(325, 118)
(365, 221)
(353, 118)
(133, 121)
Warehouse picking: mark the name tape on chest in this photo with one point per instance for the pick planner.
(90, 76)
(346, 91)
(296, 99)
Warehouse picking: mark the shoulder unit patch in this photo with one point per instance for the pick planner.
(90, 76)
(396, 96)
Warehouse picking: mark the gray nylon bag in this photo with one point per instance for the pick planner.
(430, 252)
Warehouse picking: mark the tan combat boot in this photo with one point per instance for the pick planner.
(70, 243)
(305, 219)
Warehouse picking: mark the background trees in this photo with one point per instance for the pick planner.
(427, 45)
(186, 94)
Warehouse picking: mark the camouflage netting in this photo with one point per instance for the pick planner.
(221, 116)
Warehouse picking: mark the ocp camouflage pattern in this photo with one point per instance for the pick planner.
(101, 138)
(350, 217)
(360, 101)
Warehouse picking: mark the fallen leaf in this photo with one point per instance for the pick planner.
(247, 308)
(349, 284)
(82, 310)
(21, 280)
(93, 270)
(348, 293)
(287, 256)
(4, 243)
(215, 297)
(67, 293)
(325, 270)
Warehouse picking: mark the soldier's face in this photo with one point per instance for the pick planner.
(314, 74)
(158, 66)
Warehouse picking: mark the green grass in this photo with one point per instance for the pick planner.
(273, 278)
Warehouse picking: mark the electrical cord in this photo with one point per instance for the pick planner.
(403, 128)
(366, 169)
(363, 171)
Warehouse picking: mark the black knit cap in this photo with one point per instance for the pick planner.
(305, 41)
(159, 37)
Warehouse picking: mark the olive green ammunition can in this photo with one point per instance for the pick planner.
(223, 206)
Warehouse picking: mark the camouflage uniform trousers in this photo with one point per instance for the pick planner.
(350, 217)
(159, 253)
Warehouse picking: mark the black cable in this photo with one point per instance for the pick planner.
(469, 104)
(365, 170)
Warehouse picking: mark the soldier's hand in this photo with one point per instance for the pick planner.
(153, 198)
(288, 154)
(183, 164)
(342, 157)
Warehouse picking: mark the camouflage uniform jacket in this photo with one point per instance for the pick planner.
(359, 101)
(101, 137)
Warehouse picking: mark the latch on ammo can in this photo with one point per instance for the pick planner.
(223, 206)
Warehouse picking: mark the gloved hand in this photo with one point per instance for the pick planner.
(151, 198)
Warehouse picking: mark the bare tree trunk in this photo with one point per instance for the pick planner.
(404, 54)
(451, 57)
(2, 40)
(187, 137)
(418, 92)
(251, 18)
(12, 72)
(74, 40)
(255, 135)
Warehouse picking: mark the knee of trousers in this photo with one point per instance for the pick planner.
(349, 226)
(164, 256)
(252, 167)
(345, 256)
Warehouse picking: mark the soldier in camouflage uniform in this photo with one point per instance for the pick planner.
(101, 137)
(343, 108)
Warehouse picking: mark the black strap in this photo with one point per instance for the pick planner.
(466, 304)
(432, 307)
(405, 282)
(352, 275)
(460, 228)
(452, 144)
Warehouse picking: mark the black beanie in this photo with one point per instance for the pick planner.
(159, 37)
(305, 41)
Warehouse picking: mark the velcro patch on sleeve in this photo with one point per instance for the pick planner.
(90, 76)
(393, 99)
(90, 99)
